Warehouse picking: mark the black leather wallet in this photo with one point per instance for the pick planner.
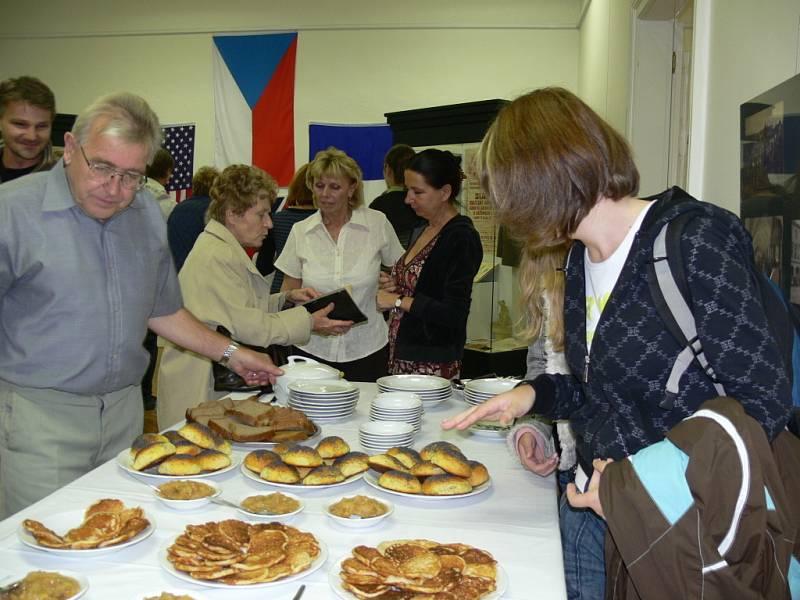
(344, 307)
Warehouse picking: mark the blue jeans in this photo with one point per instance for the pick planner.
(583, 536)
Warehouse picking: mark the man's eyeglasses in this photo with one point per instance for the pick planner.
(130, 180)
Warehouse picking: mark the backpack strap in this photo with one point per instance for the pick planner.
(673, 308)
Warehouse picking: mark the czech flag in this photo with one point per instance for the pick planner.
(254, 102)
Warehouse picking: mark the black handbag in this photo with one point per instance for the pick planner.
(226, 380)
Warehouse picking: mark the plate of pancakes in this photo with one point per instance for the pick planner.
(235, 554)
(105, 526)
(407, 568)
(296, 466)
(439, 471)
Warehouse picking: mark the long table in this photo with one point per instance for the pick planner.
(516, 520)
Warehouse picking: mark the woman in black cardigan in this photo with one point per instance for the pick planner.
(432, 289)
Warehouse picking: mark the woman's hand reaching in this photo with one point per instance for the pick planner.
(504, 407)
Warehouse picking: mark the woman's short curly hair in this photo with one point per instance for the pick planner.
(203, 179)
(237, 189)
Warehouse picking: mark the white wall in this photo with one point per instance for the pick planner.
(352, 66)
(604, 62)
(752, 47)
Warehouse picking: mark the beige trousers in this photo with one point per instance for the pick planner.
(49, 438)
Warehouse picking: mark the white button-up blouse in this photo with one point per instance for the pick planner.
(311, 255)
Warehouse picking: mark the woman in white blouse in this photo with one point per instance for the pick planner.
(343, 244)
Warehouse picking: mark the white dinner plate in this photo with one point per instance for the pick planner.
(167, 566)
(298, 486)
(61, 523)
(414, 383)
(482, 429)
(156, 593)
(335, 582)
(373, 481)
(328, 388)
(126, 464)
(83, 582)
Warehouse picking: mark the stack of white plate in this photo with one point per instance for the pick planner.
(379, 436)
(324, 401)
(431, 389)
(478, 391)
(404, 407)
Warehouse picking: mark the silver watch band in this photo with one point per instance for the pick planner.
(226, 355)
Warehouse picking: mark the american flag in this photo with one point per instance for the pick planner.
(179, 141)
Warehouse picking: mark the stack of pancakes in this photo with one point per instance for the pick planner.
(419, 569)
(191, 450)
(330, 462)
(252, 421)
(105, 523)
(239, 553)
(439, 469)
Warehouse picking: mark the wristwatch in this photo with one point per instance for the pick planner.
(226, 356)
(398, 302)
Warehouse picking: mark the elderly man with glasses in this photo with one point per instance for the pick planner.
(84, 270)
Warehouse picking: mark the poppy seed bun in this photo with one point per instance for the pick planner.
(332, 447)
(445, 485)
(451, 461)
(173, 436)
(408, 457)
(426, 469)
(479, 474)
(383, 462)
(302, 456)
(283, 448)
(258, 459)
(187, 447)
(180, 464)
(400, 481)
(426, 452)
(352, 463)
(144, 440)
(324, 475)
(152, 454)
(213, 460)
(279, 472)
(204, 437)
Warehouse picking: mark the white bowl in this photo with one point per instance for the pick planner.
(397, 401)
(189, 504)
(385, 428)
(270, 517)
(357, 523)
(492, 386)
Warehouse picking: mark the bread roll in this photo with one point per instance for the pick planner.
(213, 460)
(445, 485)
(150, 455)
(352, 463)
(324, 475)
(279, 472)
(451, 461)
(283, 448)
(302, 456)
(145, 440)
(180, 465)
(174, 437)
(479, 474)
(400, 481)
(258, 459)
(383, 462)
(332, 447)
(199, 435)
(407, 456)
(426, 452)
(187, 447)
(426, 469)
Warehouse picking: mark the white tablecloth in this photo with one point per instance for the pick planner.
(516, 520)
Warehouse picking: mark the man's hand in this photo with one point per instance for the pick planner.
(591, 497)
(322, 324)
(504, 407)
(531, 455)
(300, 295)
(254, 367)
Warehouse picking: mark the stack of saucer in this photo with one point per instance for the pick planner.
(478, 391)
(404, 407)
(379, 436)
(431, 389)
(324, 401)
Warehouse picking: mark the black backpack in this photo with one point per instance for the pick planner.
(669, 290)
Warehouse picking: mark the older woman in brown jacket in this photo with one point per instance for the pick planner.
(221, 286)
